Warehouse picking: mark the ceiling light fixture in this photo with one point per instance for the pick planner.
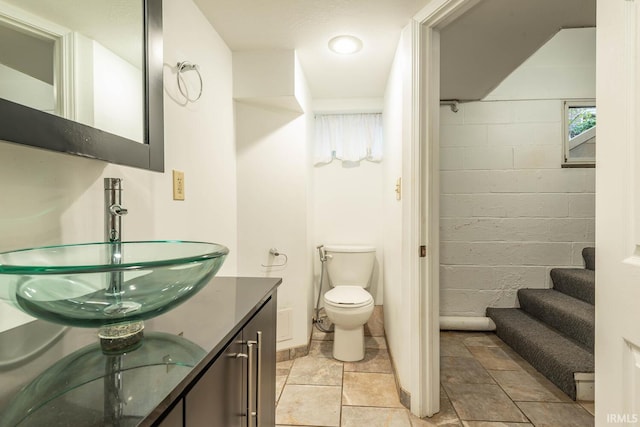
(345, 45)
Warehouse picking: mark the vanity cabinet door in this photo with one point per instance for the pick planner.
(261, 393)
(174, 419)
(216, 400)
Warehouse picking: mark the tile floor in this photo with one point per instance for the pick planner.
(484, 384)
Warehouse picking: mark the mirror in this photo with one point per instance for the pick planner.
(84, 77)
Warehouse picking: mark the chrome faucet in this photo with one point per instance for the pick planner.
(113, 211)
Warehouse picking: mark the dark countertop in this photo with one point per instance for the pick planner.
(209, 320)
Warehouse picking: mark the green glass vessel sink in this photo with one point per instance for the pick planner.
(111, 285)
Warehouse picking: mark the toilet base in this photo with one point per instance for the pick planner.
(348, 344)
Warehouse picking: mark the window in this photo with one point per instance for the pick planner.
(348, 137)
(579, 129)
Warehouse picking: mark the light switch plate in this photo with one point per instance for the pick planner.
(178, 185)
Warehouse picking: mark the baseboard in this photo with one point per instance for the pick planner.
(405, 396)
(292, 353)
(584, 386)
(295, 352)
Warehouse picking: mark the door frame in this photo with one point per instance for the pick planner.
(425, 218)
(617, 371)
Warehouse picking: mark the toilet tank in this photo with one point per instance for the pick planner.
(350, 265)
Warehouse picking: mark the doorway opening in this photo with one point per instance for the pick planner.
(509, 169)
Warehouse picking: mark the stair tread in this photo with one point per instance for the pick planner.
(577, 282)
(561, 303)
(546, 349)
(589, 256)
(571, 316)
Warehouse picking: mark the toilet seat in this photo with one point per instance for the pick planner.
(348, 297)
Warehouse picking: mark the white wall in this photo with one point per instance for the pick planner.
(273, 203)
(115, 79)
(264, 74)
(101, 80)
(565, 67)
(348, 210)
(347, 105)
(397, 292)
(303, 93)
(268, 78)
(26, 90)
(52, 198)
(347, 198)
(508, 212)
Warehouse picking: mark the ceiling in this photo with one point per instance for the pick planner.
(482, 47)
(307, 26)
(479, 49)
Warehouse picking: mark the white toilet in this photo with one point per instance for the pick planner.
(348, 305)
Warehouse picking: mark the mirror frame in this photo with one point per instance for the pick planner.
(28, 126)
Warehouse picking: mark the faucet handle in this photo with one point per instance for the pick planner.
(118, 210)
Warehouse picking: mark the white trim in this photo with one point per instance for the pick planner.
(585, 386)
(439, 13)
(33, 24)
(629, 110)
(66, 54)
(424, 280)
(421, 380)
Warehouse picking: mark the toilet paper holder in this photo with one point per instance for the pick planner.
(276, 254)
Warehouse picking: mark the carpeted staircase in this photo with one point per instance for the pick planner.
(554, 328)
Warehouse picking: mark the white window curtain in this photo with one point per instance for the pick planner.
(348, 137)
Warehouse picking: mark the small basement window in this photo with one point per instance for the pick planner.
(579, 129)
(348, 137)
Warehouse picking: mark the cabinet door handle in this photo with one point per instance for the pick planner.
(259, 380)
(250, 388)
(253, 408)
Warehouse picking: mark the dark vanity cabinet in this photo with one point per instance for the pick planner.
(218, 398)
(262, 328)
(175, 417)
(219, 349)
(238, 389)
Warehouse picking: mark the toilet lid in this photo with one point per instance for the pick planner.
(352, 296)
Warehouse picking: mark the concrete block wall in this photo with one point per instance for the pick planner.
(509, 213)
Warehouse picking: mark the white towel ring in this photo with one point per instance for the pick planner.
(183, 67)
